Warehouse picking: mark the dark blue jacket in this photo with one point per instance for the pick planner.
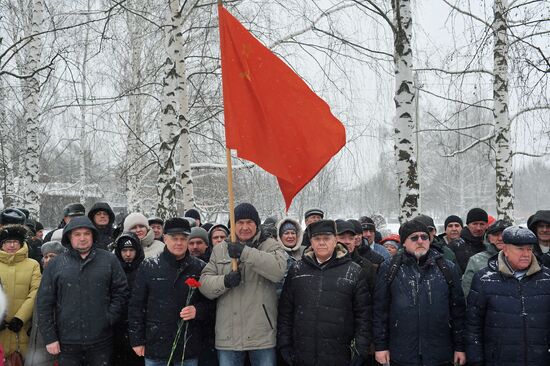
(158, 296)
(418, 313)
(508, 320)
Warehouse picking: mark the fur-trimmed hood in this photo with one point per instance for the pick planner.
(299, 234)
(502, 266)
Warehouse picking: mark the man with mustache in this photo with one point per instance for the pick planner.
(419, 307)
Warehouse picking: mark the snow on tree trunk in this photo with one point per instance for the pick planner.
(83, 99)
(170, 121)
(503, 154)
(31, 116)
(405, 149)
(135, 118)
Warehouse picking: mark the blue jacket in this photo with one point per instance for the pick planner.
(508, 320)
(418, 313)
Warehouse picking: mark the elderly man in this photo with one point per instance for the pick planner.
(418, 305)
(325, 303)
(246, 315)
(82, 295)
(310, 216)
(539, 223)
(508, 317)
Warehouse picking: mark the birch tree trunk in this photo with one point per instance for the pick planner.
(503, 154)
(83, 100)
(31, 117)
(170, 121)
(8, 181)
(135, 117)
(405, 149)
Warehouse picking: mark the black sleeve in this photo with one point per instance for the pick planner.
(362, 314)
(457, 309)
(119, 291)
(137, 309)
(475, 320)
(381, 308)
(45, 303)
(285, 317)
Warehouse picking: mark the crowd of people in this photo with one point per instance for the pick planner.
(131, 290)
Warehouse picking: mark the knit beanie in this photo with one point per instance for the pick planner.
(287, 226)
(199, 232)
(193, 213)
(52, 247)
(477, 214)
(411, 227)
(133, 219)
(245, 211)
(453, 218)
(426, 220)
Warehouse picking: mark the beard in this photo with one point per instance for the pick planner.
(419, 253)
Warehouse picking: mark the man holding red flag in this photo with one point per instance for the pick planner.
(271, 113)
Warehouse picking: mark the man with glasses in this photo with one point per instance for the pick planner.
(418, 307)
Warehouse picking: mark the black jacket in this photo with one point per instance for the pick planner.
(365, 251)
(508, 320)
(159, 295)
(79, 300)
(418, 313)
(323, 308)
(105, 233)
(466, 248)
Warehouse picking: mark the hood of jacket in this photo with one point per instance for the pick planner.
(148, 240)
(299, 234)
(102, 206)
(466, 234)
(133, 265)
(78, 222)
(539, 216)
(19, 256)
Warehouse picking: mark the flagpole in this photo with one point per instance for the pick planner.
(233, 236)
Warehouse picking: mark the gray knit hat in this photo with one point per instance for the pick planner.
(52, 247)
(199, 232)
(133, 219)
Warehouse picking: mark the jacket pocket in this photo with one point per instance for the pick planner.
(267, 316)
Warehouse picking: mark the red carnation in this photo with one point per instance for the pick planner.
(193, 283)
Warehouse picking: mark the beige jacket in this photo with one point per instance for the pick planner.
(151, 247)
(246, 316)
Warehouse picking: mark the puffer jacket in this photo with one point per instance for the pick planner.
(80, 300)
(294, 253)
(151, 247)
(476, 263)
(105, 233)
(418, 313)
(159, 294)
(466, 247)
(323, 308)
(246, 316)
(20, 277)
(508, 320)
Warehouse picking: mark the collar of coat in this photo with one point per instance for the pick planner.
(506, 270)
(19, 256)
(176, 263)
(340, 253)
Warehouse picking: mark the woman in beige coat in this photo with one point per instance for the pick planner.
(20, 278)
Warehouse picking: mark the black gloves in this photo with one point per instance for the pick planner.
(287, 353)
(232, 279)
(235, 249)
(15, 325)
(3, 325)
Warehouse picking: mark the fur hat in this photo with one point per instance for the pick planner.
(13, 232)
(133, 219)
(52, 247)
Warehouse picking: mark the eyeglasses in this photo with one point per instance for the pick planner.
(416, 237)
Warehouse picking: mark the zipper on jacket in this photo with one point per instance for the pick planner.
(523, 318)
(267, 316)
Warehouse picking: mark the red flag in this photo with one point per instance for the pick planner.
(272, 117)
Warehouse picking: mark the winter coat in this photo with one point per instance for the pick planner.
(37, 355)
(159, 294)
(295, 253)
(508, 320)
(105, 233)
(80, 300)
(544, 258)
(151, 247)
(418, 313)
(365, 251)
(20, 277)
(323, 308)
(246, 316)
(441, 246)
(475, 264)
(466, 248)
(369, 269)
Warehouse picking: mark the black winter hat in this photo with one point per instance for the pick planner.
(477, 214)
(245, 211)
(12, 216)
(314, 211)
(345, 227)
(128, 240)
(102, 206)
(13, 232)
(177, 225)
(39, 226)
(193, 213)
(497, 227)
(206, 226)
(79, 222)
(25, 212)
(410, 227)
(357, 226)
(367, 223)
(453, 218)
(426, 220)
(74, 209)
(519, 236)
(321, 227)
(155, 220)
(31, 225)
(539, 216)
